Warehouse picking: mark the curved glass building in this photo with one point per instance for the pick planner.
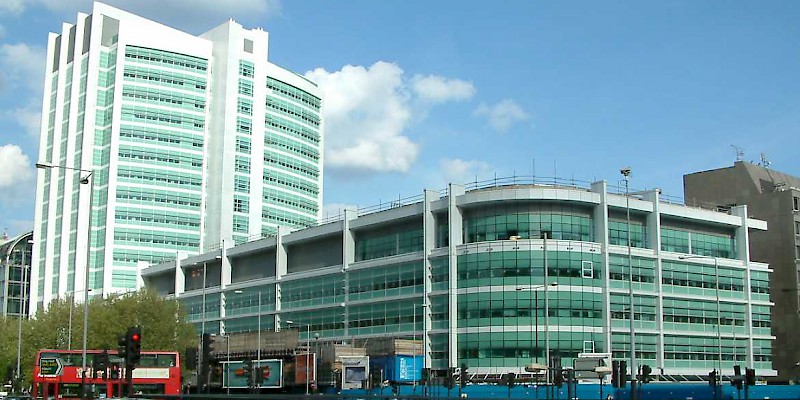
(156, 142)
(500, 276)
(15, 264)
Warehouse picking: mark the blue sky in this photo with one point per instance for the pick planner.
(421, 93)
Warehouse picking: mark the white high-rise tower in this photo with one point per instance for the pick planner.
(187, 141)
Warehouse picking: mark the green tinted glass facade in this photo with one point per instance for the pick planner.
(496, 295)
(160, 150)
(291, 155)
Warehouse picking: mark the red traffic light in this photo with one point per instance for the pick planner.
(136, 337)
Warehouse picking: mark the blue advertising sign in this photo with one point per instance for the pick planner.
(271, 372)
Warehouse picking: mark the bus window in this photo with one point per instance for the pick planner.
(148, 388)
(69, 390)
(166, 360)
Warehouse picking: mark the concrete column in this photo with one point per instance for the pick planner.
(180, 274)
(653, 230)
(281, 269)
(429, 243)
(742, 241)
(456, 234)
(600, 217)
(348, 257)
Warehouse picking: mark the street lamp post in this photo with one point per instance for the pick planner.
(69, 328)
(22, 305)
(87, 179)
(228, 365)
(316, 355)
(719, 317)
(626, 173)
(258, 333)
(546, 309)
(535, 290)
(308, 344)
(200, 377)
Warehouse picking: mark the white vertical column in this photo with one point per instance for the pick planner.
(743, 253)
(600, 216)
(429, 243)
(653, 232)
(456, 234)
(281, 269)
(180, 274)
(40, 253)
(348, 257)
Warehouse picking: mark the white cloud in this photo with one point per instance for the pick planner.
(17, 175)
(503, 114)
(13, 7)
(438, 89)
(30, 118)
(462, 171)
(22, 65)
(365, 112)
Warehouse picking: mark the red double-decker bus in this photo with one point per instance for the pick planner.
(57, 374)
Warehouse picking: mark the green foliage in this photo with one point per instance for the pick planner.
(163, 323)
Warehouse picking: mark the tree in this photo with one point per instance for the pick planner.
(163, 322)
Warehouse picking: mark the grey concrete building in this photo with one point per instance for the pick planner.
(774, 197)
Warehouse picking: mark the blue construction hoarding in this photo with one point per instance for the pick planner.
(397, 368)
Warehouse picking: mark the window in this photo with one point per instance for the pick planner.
(797, 203)
(245, 106)
(243, 145)
(797, 227)
(248, 46)
(240, 205)
(246, 69)
(797, 252)
(587, 269)
(588, 346)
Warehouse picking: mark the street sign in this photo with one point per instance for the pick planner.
(50, 367)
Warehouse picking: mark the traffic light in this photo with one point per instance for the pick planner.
(247, 370)
(558, 376)
(750, 376)
(712, 378)
(449, 379)
(619, 373)
(122, 343)
(207, 348)
(99, 364)
(646, 374)
(511, 379)
(737, 377)
(426, 376)
(259, 374)
(133, 346)
(190, 358)
(10, 373)
(464, 375)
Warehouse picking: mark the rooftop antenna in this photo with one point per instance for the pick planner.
(739, 153)
(764, 161)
